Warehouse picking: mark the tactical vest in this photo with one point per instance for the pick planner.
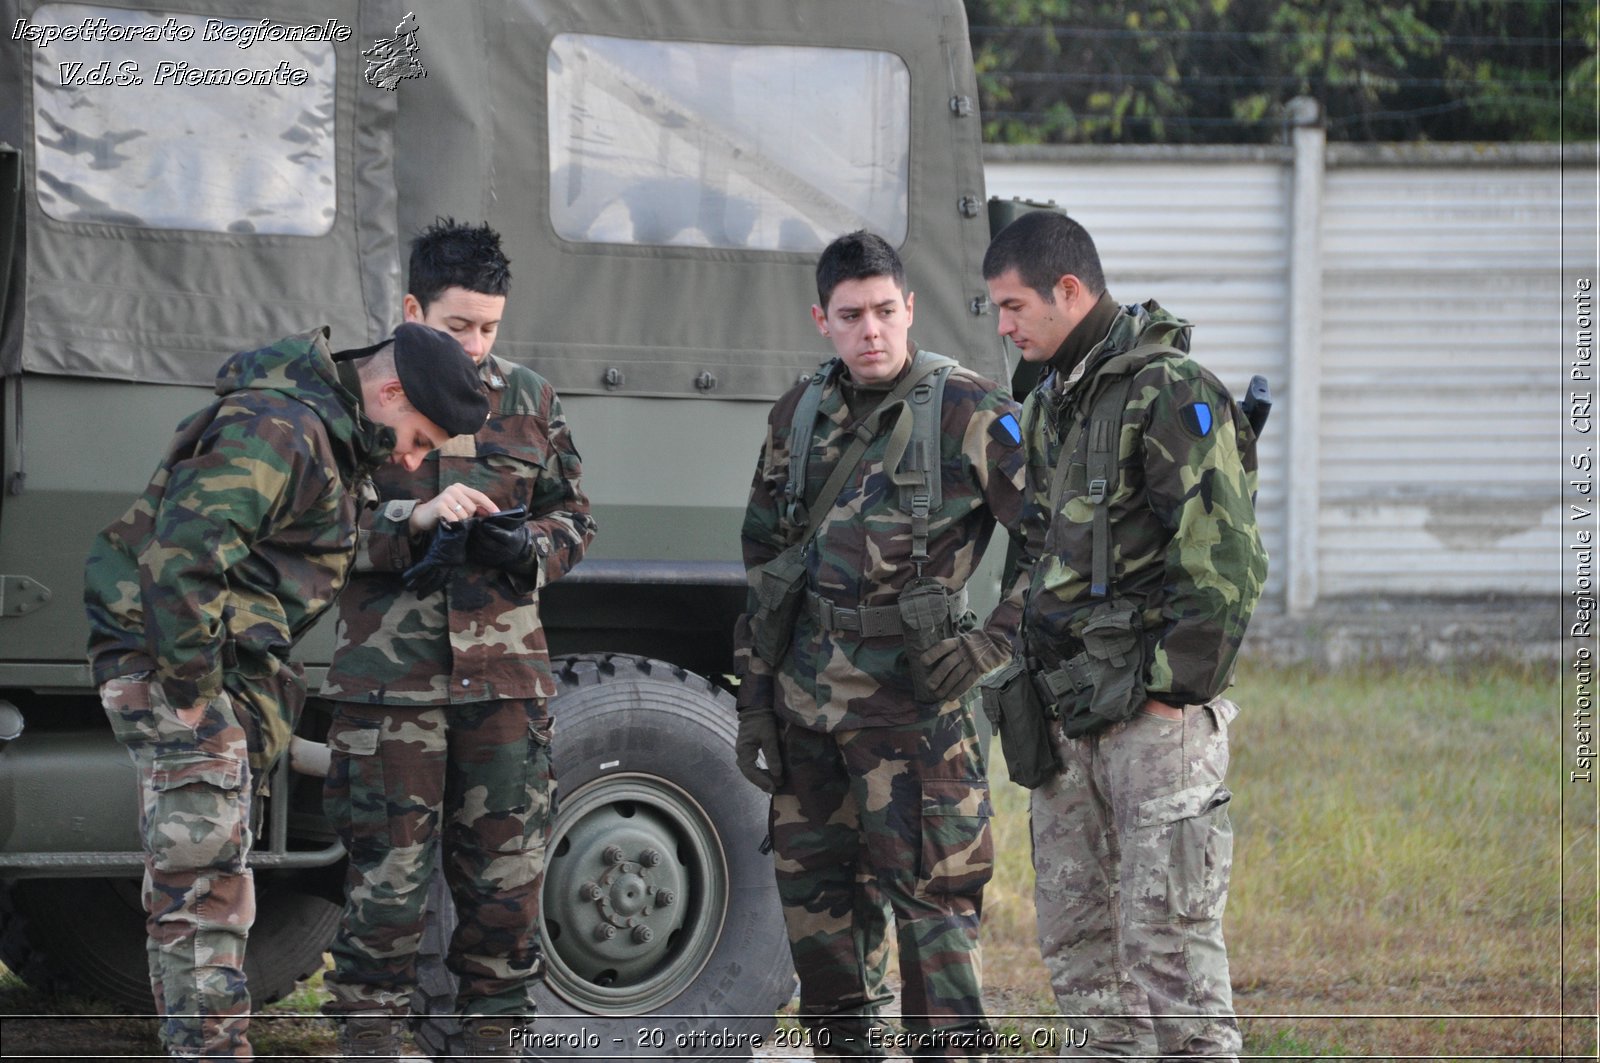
(1104, 682)
(912, 453)
(926, 611)
(1094, 440)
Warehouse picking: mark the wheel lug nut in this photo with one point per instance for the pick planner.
(642, 934)
(590, 891)
(605, 932)
(650, 858)
(612, 854)
(664, 898)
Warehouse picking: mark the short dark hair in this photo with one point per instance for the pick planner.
(1043, 246)
(857, 256)
(449, 254)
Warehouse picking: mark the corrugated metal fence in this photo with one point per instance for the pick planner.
(1426, 334)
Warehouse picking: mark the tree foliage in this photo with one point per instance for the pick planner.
(1195, 71)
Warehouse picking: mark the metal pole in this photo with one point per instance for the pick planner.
(1305, 352)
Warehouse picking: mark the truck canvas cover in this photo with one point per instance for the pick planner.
(639, 156)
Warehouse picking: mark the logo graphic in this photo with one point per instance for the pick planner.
(1196, 418)
(394, 59)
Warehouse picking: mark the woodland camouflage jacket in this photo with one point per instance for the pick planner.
(481, 638)
(246, 531)
(1185, 545)
(861, 555)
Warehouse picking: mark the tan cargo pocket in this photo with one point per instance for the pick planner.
(1183, 855)
(957, 854)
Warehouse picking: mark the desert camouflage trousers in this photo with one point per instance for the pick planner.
(474, 781)
(195, 791)
(876, 823)
(1132, 847)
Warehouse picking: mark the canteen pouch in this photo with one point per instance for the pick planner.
(925, 621)
(1107, 678)
(780, 591)
(1012, 704)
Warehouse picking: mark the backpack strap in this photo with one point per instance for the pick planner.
(1105, 437)
(914, 454)
(801, 430)
(1100, 436)
(865, 433)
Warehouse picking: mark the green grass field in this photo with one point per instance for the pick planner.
(1399, 851)
(1403, 844)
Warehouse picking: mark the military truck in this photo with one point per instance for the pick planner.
(182, 180)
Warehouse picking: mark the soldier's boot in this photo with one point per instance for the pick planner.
(843, 1039)
(489, 1037)
(373, 1037)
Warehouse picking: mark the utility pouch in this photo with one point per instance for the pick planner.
(925, 621)
(1011, 702)
(780, 591)
(1107, 678)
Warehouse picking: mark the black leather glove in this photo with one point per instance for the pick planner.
(954, 665)
(447, 552)
(758, 735)
(500, 540)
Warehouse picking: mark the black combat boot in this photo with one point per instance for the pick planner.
(373, 1037)
(489, 1037)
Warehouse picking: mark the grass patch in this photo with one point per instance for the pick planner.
(1397, 891)
(1398, 852)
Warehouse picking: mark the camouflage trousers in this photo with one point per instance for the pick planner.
(195, 791)
(471, 780)
(1132, 847)
(876, 822)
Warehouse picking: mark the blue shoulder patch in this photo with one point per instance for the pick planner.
(1196, 418)
(1006, 430)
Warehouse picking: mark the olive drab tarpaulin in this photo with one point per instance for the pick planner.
(116, 299)
(103, 292)
(664, 315)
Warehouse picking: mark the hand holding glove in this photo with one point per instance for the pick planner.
(447, 552)
(955, 664)
(758, 735)
(501, 540)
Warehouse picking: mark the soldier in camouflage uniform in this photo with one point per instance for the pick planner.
(197, 594)
(879, 794)
(1132, 843)
(440, 681)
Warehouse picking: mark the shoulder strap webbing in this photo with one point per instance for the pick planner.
(913, 454)
(865, 433)
(1102, 432)
(801, 430)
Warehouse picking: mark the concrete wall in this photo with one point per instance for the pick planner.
(1410, 305)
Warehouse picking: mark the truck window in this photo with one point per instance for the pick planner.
(174, 121)
(726, 146)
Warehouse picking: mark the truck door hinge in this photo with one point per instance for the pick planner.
(20, 595)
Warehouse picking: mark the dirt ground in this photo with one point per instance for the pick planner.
(1283, 1022)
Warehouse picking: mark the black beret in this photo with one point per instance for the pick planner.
(440, 379)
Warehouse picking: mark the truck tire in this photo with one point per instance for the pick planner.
(84, 937)
(644, 762)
